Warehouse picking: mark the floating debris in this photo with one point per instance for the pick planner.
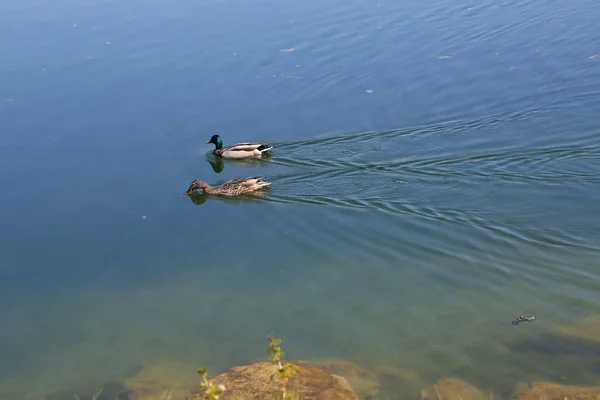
(293, 77)
(369, 91)
(594, 56)
(443, 57)
(287, 50)
(109, 42)
(9, 100)
(523, 319)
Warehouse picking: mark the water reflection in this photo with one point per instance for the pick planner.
(198, 198)
(218, 163)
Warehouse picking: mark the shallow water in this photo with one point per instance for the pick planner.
(436, 173)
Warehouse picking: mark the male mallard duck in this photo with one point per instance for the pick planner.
(233, 187)
(238, 150)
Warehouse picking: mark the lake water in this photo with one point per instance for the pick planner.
(436, 174)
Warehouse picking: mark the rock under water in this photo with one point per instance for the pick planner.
(450, 389)
(556, 391)
(364, 383)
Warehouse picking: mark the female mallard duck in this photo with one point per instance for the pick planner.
(239, 150)
(233, 187)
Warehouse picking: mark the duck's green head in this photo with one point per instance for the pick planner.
(216, 140)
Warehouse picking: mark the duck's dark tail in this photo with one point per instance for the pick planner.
(264, 147)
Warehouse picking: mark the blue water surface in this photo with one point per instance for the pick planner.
(435, 174)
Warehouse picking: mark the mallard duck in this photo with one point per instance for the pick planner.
(233, 187)
(238, 150)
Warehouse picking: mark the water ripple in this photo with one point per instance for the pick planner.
(339, 170)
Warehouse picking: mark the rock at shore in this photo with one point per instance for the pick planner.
(451, 389)
(254, 381)
(556, 391)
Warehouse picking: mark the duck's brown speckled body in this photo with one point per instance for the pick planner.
(233, 187)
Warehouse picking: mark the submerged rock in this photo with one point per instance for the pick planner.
(110, 391)
(556, 391)
(163, 380)
(398, 383)
(587, 329)
(253, 381)
(451, 389)
(573, 350)
(364, 383)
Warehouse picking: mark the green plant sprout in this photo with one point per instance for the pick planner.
(276, 354)
(210, 391)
